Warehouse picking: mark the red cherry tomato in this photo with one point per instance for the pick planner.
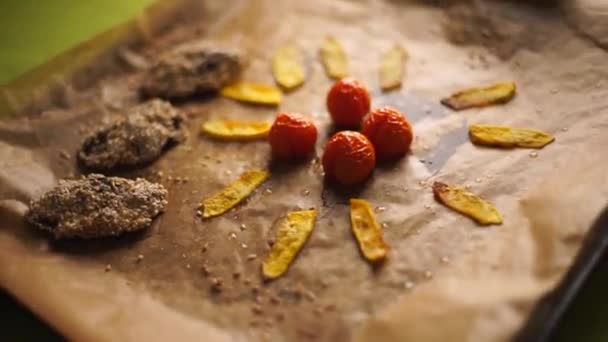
(349, 158)
(389, 131)
(292, 136)
(348, 102)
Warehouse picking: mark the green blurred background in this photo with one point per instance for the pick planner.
(32, 32)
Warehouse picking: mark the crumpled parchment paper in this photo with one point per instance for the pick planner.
(445, 279)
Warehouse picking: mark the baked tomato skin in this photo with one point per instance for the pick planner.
(349, 158)
(347, 102)
(389, 131)
(292, 136)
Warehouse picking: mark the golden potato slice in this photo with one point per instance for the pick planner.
(236, 130)
(366, 230)
(286, 68)
(480, 97)
(501, 136)
(293, 232)
(392, 68)
(466, 203)
(253, 93)
(334, 58)
(234, 193)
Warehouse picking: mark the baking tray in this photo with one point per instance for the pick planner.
(549, 314)
(548, 319)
